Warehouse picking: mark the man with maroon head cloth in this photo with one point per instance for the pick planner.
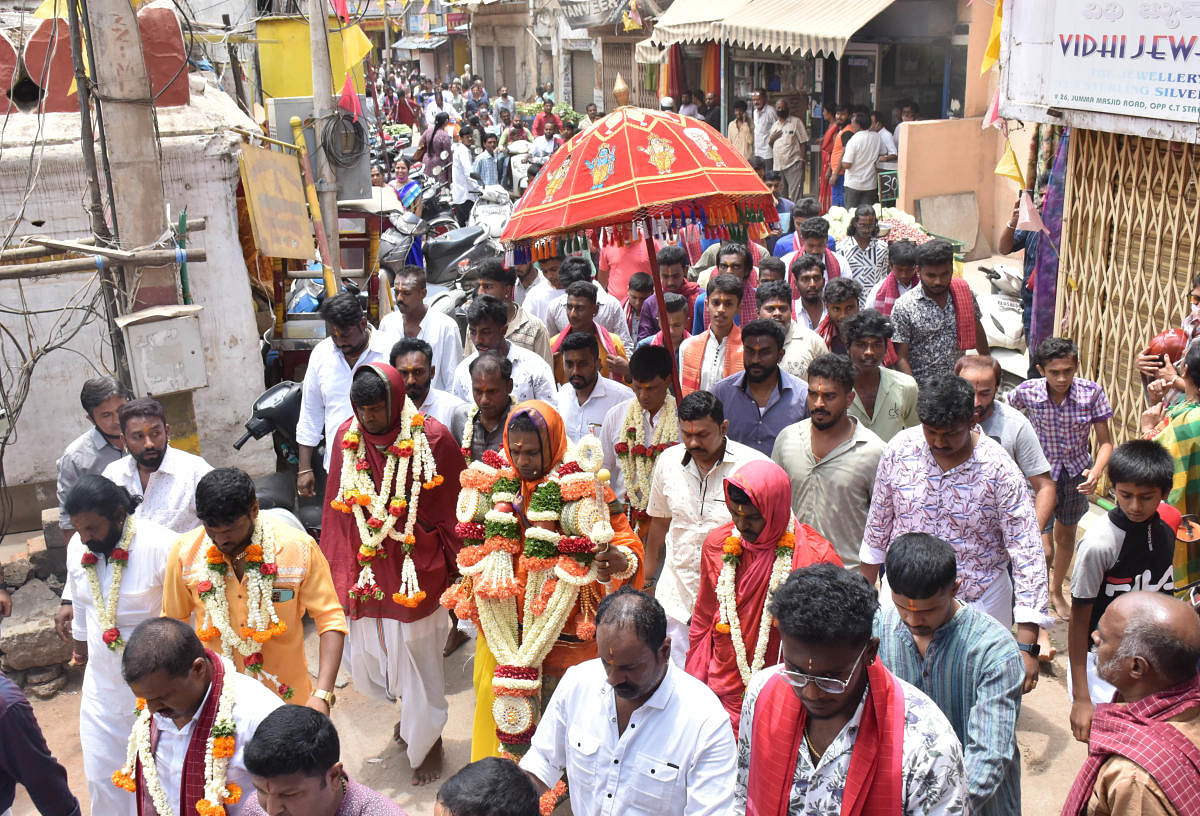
(388, 533)
(749, 555)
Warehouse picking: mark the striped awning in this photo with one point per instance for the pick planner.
(798, 27)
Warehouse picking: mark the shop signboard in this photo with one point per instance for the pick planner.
(277, 204)
(1124, 66)
(1130, 57)
(588, 13)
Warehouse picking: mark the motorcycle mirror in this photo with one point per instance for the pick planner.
(444, 155)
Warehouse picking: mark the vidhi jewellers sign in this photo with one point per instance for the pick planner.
(1135, 58)
(1125, 66)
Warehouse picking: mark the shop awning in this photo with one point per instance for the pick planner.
(419, 44)
(800, 27)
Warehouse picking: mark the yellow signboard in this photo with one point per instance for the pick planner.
(275, 198)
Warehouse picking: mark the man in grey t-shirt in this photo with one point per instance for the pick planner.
(1009, 427)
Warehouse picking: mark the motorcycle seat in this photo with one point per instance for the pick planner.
(441, 250)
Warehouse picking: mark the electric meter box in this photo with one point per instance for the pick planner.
(166, 355)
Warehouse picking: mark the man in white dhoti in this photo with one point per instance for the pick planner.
(115, 569)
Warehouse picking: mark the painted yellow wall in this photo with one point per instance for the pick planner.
(286, 61)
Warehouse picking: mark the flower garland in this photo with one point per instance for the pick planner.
(262, 622)
(568, 524)
(469, 428)
(728, 621)
(377, 513)
(637, 456)
(106, 608)
(218, 752)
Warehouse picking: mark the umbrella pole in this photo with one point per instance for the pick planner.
(662, 313)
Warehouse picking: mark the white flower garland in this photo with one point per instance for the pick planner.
(727, 600)
(261, 618)
(636, 468)
(357, 494)
(469, 429)
(106, 608)
(218, 752)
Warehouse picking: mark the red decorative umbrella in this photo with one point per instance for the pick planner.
(636, 175)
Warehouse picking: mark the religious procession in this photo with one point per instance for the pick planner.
(787, 409)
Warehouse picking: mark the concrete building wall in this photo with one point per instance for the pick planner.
(506, 29)
(200, 173)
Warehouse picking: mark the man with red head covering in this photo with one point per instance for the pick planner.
(534, 505)
(388, 533)
(741, 565)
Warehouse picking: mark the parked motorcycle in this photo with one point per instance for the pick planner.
(276, 412)
(492, 210)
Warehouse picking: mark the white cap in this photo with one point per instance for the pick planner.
(666, 103)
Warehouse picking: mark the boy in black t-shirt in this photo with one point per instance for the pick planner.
(1133, 549)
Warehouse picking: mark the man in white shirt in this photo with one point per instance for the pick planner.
(547, 142)
(542, 294)
(586, 398)
(858, 163)
(789, 145)
(635, 734)
(764, 118)
(687, 502)
(463, 189)
(165, 477)
(102, 513)
(650, 371)
(611, 314)
(413, 358)
(411, 318)
(487, 320)
(349, 343)
(185, 701)
(523, 329)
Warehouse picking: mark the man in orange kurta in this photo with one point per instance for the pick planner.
(228, 509)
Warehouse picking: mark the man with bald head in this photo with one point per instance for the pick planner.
(1144, 752)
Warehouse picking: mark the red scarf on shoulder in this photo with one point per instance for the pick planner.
(1139, 732)
(191, 785)
(875, 783)
(964, 313)
(889, 293)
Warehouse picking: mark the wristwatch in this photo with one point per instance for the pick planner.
(1032, 649)
(328, 696)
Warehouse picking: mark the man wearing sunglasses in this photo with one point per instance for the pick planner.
(830, 730)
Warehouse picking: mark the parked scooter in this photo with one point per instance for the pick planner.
(277, 412)
(492, 210)
(1002, 323)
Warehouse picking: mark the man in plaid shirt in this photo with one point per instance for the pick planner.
(1064, 409)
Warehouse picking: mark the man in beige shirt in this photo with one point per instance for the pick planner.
(789, 143)
(524, 329)
(741, 130)
(1147, 645)
(885, 400)
(803, 345)
(830, 459)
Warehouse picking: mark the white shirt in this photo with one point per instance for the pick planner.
(440, 405)
(532, 376)
(521, 291)
(613, 431)
(325, 401)
(538, 299)
(712, 364)
(581, 420)
(862, 151)
(441, 332)
(170, 495)
(462, 187)
(140, 598)
(676, 757)
(252, 703)
(887, 143)
(695, 505)
(541, 146)
(763, 121)
(611, 315)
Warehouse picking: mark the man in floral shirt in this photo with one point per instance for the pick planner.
(949, 479)
(831, 707)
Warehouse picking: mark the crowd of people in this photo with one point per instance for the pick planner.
(778, 547)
